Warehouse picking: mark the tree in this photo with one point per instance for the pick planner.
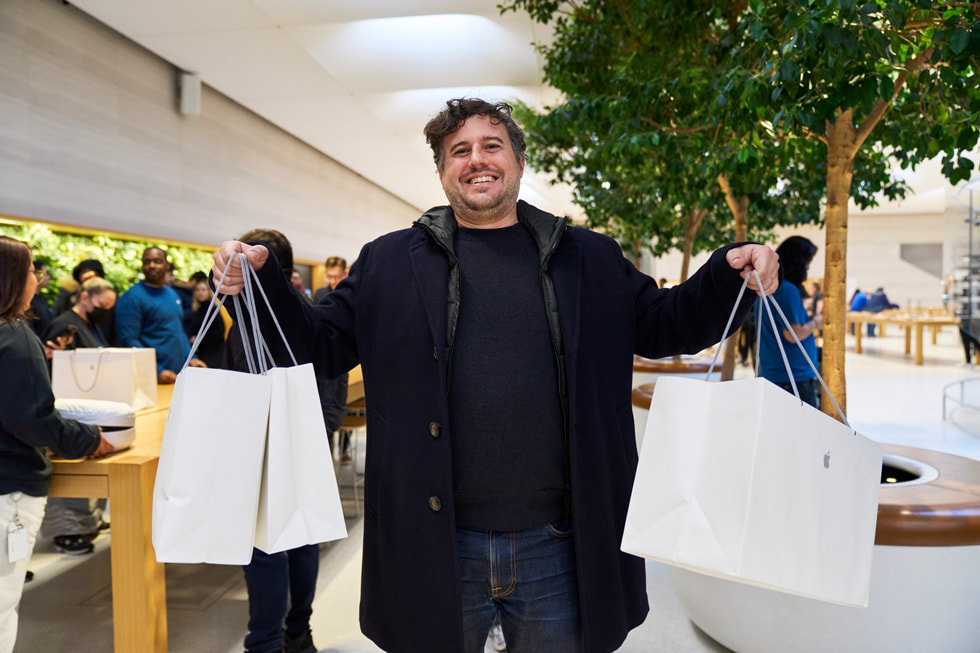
(896, 77)
(653, 150)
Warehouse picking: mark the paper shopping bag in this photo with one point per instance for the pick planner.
(207, 484)
(124, 374)
(299, 502)
(743, 481)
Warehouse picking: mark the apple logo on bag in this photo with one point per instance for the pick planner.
(826, 460)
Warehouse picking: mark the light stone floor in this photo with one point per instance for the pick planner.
(68, 606)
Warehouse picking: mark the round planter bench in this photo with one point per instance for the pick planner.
(925, 578)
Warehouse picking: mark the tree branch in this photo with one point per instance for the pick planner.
(878, 111)
(675, 130)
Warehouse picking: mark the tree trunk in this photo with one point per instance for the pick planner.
(740, 210)
(841, 148)
(690, 229)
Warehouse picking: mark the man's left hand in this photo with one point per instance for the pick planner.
(759, 258)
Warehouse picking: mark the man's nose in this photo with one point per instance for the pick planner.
(477, 158)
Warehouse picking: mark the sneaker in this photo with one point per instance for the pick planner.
(29, 576)
(497, 638)
(345, 457)
(75, 545)
(299, 643)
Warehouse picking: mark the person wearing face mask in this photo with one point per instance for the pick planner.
(74, 523)
(92, 310)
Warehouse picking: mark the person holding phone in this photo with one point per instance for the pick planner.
(74, 523)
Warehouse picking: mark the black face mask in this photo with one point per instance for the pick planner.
(98, 315)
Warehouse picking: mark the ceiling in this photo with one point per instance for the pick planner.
(355, 79)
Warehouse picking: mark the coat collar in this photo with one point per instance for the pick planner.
(440, 223)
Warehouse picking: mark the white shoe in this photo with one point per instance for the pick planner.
(497, 638)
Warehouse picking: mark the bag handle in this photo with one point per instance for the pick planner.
(98, 369)
(257, 354)
(766, 301)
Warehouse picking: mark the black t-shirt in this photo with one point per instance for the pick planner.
(506, 417)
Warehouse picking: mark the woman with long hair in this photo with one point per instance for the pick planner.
(795, 255)
(29, 424)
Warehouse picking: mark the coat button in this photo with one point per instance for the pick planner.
(435, 504)
(435, 429)
(435, 352)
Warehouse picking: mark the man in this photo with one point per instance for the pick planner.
(497, 343)
(333, 391)
(150, 314)
(335, 268)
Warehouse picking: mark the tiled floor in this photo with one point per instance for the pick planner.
(68, 606)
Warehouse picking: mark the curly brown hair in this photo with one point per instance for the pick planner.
(15, 265)
(457, 111)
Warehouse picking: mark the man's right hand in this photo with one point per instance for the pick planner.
(257, 255)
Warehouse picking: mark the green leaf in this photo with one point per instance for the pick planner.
(959, 40)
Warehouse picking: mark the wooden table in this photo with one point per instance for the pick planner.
(139, 594)
(911, 321)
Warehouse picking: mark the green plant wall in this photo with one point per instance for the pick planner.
(121, 257)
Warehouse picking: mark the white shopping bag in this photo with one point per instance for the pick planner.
(744, 481)
(207, 484)
(299, 502)
(124, 374)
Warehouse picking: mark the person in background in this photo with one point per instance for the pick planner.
(29, 426)
(281, 586)
(858, 301)
(335, 269)
(74, 523)
(814, 303)
(68, 286)
(497, 343)
(795, 254)
(877, 302)
(211, 349)
(150, 314)
(333, 392)
(40, 312)
(184, 290)
(297, 280)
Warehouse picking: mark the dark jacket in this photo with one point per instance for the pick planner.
(29, 422)
(395, 314)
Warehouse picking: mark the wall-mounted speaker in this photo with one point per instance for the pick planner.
(190, 94)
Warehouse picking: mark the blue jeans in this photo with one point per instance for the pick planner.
(527, 578)
(809, 391)
(281, 587)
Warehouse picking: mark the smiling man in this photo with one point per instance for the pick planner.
(497, 342)
(150, 314)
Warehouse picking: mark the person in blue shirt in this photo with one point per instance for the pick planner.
(151, 314)
(795, 254)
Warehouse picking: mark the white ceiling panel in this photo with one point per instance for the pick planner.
(247, 64)
(302, 12)
(138, 18)
(356, 80)
(458, 50)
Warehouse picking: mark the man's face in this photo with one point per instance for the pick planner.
(481, 175)
(155, 267)
(335, 275)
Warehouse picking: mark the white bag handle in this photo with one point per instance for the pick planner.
(259, 358)
(98, 369)
(766, 301)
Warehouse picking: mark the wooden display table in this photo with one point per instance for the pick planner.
(139, 594)
(676, 365)
(910, 321)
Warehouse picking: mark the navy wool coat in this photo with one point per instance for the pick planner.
(395, 315)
